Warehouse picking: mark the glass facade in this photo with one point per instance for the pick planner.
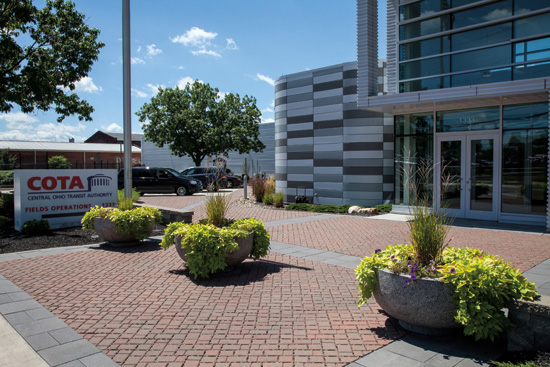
(497, 49)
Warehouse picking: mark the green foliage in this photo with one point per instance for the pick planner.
(279, 199)
(216, 208)
(59, 162)
(319, 208)
(258, 188)
(4, 221)
(136, 221)
(196, 122)
(36, 227)
(268, 199)
(206, 246)
(44, 53)
(383, 208)
(7, 161)
(482, 284)
(429, 231)
(7, 201)
(510, 364)
(6, 178)
(135, 195)
(126, 204)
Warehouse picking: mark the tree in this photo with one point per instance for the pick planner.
(197, 122)
(44, 53)
(58, 162)
(7, 161)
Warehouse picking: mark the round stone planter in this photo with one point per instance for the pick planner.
(233, 258)
(424, 306)
(106, 230)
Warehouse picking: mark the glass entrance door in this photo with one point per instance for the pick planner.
(466, 175)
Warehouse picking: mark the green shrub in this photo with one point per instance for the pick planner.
(483, 284)
(59, 162)
(268, 199)
(383, 208)
(137, 221)
(319, 208)
(135, 195)
(429, 231)
(207, 246)
(269, 185)
(6, 178)
(36, 227)
(510, 364)
(7, 201)
(126, 204)
(4, 221)
(278, 199)
(258, 188)
(216, 208)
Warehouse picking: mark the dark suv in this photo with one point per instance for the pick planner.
(160, 180)
(210, 176)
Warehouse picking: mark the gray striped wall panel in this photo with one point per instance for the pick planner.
(333, 149)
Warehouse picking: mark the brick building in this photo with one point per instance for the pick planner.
(113, 138)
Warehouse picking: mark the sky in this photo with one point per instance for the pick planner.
(237, 46)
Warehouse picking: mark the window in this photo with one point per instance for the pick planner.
(539, 24)
(425, 27)
(482, 77)
(468, 120)
(478, 59)
(541, 69)
(422, 8)
(425, 67)
(523, 6)
(482, 37)
(424, 48)
(482, 14)
(425, 84)
(532, 50)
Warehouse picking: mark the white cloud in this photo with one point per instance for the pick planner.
(267, 110)
(136, 61)
(206, 52)
(112, 128)
(273, 103)
(195, 37)
(14, 119)
(45, 132)
(267, 120)
(138, 93)
(498, 14)
(154, 88)
(152, 50)
(139, 49)
(181, 67)
(87, 85)
(231, 45)
(182, 83)
(266, 79)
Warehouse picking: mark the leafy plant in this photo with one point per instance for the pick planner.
(510, 364)
(206, 246)
(126, 204)
(428, 234)
(4, 221)
(135, 195)
(6, 178)
(216, 208)
(268, 199)
(482, 283)
(318, 208)
(36, 227)
(7, 161)
(59, 162)
(383, 208)
(279, 199)
(136, 221)
(7, 201)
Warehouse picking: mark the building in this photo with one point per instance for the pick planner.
(113, 138)
(467, 90)
(35, 154)
(262, 162)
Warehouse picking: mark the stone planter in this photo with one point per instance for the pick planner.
(425, 306)
(233, 258)
(106, 230)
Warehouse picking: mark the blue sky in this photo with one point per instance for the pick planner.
(236, 46)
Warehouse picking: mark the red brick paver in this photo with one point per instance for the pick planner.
(141, 309)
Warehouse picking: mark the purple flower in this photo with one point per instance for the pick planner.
(413, 276)
(377, 250)
(452, 270)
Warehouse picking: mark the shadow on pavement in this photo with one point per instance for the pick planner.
(244, 274)
(131, 247)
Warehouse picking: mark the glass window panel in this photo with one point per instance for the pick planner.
(519, 48)
(420, 123)
(479, 59)
(482, 37)
(526, 27)
(482, 14)
(525, 116)
(525, 171)
(524, 6)
(425, 84)
(421, 9)
(468, 120)
(482, 77)
(425, 67)
(541, 69)
(537, 55)
(457, 3)
(410, 153)
(425, 27)
(451, 165)
(538, 44)
(424, 48)
(481, 174)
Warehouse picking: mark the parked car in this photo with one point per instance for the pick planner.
(233, 181)
(160, 180)
(211, 177)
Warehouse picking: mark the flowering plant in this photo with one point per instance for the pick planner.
(482, 283)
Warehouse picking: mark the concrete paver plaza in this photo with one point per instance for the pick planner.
(296, 307)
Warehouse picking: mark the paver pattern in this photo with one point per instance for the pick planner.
(142, 309)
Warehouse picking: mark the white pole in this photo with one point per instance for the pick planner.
(127, 104)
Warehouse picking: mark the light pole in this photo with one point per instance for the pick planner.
(127, 103)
